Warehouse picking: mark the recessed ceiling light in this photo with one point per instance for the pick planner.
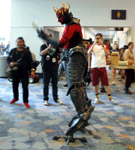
(111, 28)
(91, 28)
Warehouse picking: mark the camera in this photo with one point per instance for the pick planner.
(97, 38)
(51, 51)
(17, 64)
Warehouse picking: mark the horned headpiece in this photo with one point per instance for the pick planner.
(62, 10)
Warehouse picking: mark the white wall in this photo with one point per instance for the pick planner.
(87, 34)
(123, 37)
(5, 21)
(91, 13)
(129, 36)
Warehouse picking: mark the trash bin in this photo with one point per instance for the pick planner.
(3, 65)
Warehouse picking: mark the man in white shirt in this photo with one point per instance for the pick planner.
(98, 66)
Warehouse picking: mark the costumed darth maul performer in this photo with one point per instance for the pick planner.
(73, 50)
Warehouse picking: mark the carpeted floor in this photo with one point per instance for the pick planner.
(113, 126)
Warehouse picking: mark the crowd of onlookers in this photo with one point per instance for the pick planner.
(121, 53)
(125, 53)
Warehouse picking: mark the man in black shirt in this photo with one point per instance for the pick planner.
(49, 64)
(20, 61)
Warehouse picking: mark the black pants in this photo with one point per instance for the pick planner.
(53, 75)
(129, 78)
(22, 76)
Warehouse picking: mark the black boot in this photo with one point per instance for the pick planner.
(127, 85)
(128, 92)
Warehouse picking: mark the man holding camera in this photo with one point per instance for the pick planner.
(98, 66)
(20, 62)
(49, 64)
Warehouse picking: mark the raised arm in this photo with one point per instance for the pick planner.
(44, 36)
(91, 48)
(45, 51)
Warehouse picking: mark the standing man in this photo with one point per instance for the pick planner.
(129, 57)
(98, 66)
(49, 64)
(73, 50)
(20, 61)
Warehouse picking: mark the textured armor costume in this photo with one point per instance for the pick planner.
(73, 50)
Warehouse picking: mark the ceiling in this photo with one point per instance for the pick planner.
(107, 32)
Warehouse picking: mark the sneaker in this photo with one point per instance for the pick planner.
(61, 103)
(27, 105)
(96, 100)
(113, 82)
(13, 101)
(114, 102)
(46, 103)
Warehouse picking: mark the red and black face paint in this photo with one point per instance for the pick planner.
(60, 18)
(60, 15)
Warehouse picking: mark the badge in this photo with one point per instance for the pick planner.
(53, 60)
(47, 57)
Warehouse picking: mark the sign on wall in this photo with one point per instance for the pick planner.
(119, 14)
(119, 29)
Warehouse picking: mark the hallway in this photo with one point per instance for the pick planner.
(34, 128)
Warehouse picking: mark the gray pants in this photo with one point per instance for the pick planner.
(75, 72)
(62, 67)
